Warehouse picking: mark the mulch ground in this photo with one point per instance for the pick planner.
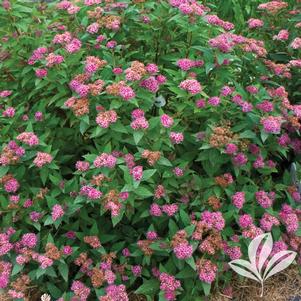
(285, 286)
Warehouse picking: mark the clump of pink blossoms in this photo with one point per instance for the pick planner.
(105, 160)
(192, 86)
(28, 138)
(169, 285)
(57, 212)
(42, 159)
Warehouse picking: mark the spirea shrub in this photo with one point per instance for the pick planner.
(142, 147)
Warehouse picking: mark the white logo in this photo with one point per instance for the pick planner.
(261, 267)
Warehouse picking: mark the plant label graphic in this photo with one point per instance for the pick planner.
(261, 265)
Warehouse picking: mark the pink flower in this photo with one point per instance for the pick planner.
(82, 165)
(238, 199)
(90, 192)
(185, 64)
(42, 159)
(263, 199)
(126, 92)
(183, 251)
(137, 172)
(80, 290)
(176, 138)
(105, 160)
(28, 138)
(283, 35)
(29, 240)
(152, 68)
(9, 112)
(255, 23)
(170, 209)
(139, 123)
(57, 212)
(240, 159)
(155, 210)
(41, 73)
(296, 43)
(214, 101)
(166, 121)
(11, 185)
(231, 149)
(192, 86)
(207, 271)
(151, 235)
(178, 171)
(93, 28)
(245, 221)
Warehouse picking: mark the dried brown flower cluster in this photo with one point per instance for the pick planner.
(79, 106)
(99, 179)
(152, 157)
(212, 243)
(144, 246)
(114, 88)
(214, 202)
(96, 87)
(93, 241)
(9, 156)
(179, 238)
(221, 136)
(223, 180)
(52, 251)
(97, 277)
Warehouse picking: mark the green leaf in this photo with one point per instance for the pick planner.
(149, 287)
(206, 287)
(143, 192)
(138, 136)
(3, 170)
(16, 269)
(164, 161)
(64, 270)
(148, 174)
(191, 262)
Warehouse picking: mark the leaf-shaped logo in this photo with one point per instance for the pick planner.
(259, 268)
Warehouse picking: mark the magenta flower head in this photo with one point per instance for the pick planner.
(166, 121)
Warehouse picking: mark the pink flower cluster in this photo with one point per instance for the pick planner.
(28, 138)
(187, 64)
(215, 20)
(41, 159)
(105, 160)
(104, 119)
(265, 200)
(57, 212)
(90, 192)
(54, 59)
(37, 55)
(5, 272)
(255, 23)
(289, 218)
(183, 251)
(268, 221)
(238, 199)
(115, 293)
(207, 271)
(176, 138)
(166, 121)
(139, 121)
(213, 220)
(272, 124)
(80, 290)
(169, 285)
(192, 86)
